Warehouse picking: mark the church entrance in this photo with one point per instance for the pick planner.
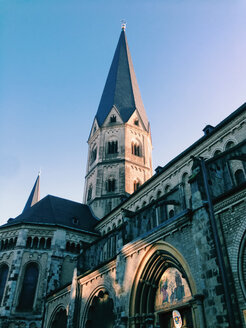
(162, 285)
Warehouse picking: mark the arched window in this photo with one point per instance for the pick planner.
(136, 185)
(101, 311)
(217, 152)
(6, 244)
(28, 289)
(229, 145)
(89, 195)
(35, 242)
(239, 177)
(93, 154)
(72, 248)
(4, 269)
(48, 243)
(42, 243)
(136, 149)
(110, 185)
(113, 147)
(68, 246)
(60, 319)
(29, 242)
(11, 243)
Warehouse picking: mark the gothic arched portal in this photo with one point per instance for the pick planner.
(101, 311)
(163, 282)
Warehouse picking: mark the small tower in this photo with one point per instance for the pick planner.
(120, 148)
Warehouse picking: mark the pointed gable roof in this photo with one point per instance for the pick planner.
(34, 195)
(121, 88)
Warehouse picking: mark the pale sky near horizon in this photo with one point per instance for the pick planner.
(188, 56)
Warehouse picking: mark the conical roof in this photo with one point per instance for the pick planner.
(34, 195)
(121, 88)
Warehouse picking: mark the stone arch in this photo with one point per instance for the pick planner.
(159, 258)
(99, 310)
(239, 176)
(217, 152)
(229, 144)
(58, 318)
(242, 264)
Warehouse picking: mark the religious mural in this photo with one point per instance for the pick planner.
(172, 289)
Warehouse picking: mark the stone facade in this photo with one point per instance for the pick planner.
(145, 240)
(46, 247)
(172, 241)
(119, 165)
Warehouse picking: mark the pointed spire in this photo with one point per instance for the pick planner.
(121, 88)
(34, 195)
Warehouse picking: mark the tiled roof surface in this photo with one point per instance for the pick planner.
(53, 210)
(121, 88)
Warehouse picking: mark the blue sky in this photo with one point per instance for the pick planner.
(189, 59)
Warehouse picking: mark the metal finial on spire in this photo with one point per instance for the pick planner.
(123, 24)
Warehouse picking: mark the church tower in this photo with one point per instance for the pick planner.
(120, 148)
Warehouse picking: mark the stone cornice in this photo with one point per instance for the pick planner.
(230, 201)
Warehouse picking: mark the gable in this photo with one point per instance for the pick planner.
(113, 118)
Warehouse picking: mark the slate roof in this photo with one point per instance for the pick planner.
(34, 195)
(121, 88)
(53, 210)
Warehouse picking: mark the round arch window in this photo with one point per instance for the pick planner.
(100, 313)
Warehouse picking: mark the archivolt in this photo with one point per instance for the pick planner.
(157, 260)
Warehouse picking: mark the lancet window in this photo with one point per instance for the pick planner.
(29, 286)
